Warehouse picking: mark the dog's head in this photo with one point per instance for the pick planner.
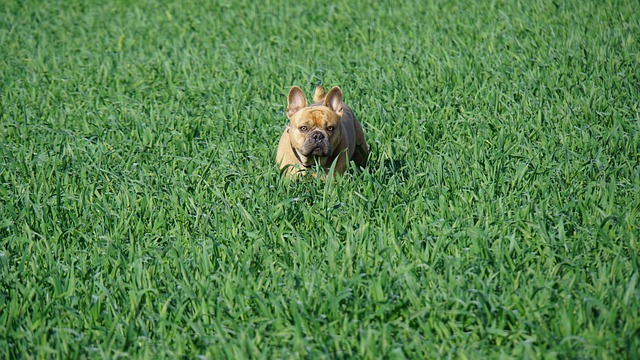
(315, 130)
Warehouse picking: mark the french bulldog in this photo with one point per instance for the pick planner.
(324, 132)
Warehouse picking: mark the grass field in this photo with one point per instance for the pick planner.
(142, 214)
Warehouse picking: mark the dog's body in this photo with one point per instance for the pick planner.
(325, 131)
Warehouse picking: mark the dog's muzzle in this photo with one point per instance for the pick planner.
(317, 144)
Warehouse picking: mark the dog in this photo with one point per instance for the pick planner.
(322, 133)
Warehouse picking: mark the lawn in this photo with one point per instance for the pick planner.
(142, 214)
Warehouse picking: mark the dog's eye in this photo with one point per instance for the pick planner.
(330, 128)
(303, 128)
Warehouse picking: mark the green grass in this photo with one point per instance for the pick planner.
(142, 214)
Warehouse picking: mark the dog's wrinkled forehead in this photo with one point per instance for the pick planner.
(318, 115)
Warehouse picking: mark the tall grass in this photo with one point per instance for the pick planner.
(142, 213)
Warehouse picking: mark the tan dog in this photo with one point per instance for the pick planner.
(323, 132)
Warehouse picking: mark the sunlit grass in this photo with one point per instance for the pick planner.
(142, 213)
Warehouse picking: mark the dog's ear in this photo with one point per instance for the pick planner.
(334, 100)
(319, 94)
(296, 101)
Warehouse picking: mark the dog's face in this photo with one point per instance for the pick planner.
(315, 131)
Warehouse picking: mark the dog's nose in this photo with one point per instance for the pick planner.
(317, 136)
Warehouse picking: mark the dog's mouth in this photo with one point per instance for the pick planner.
(312, 152)
(319, 152)
(315, 154)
